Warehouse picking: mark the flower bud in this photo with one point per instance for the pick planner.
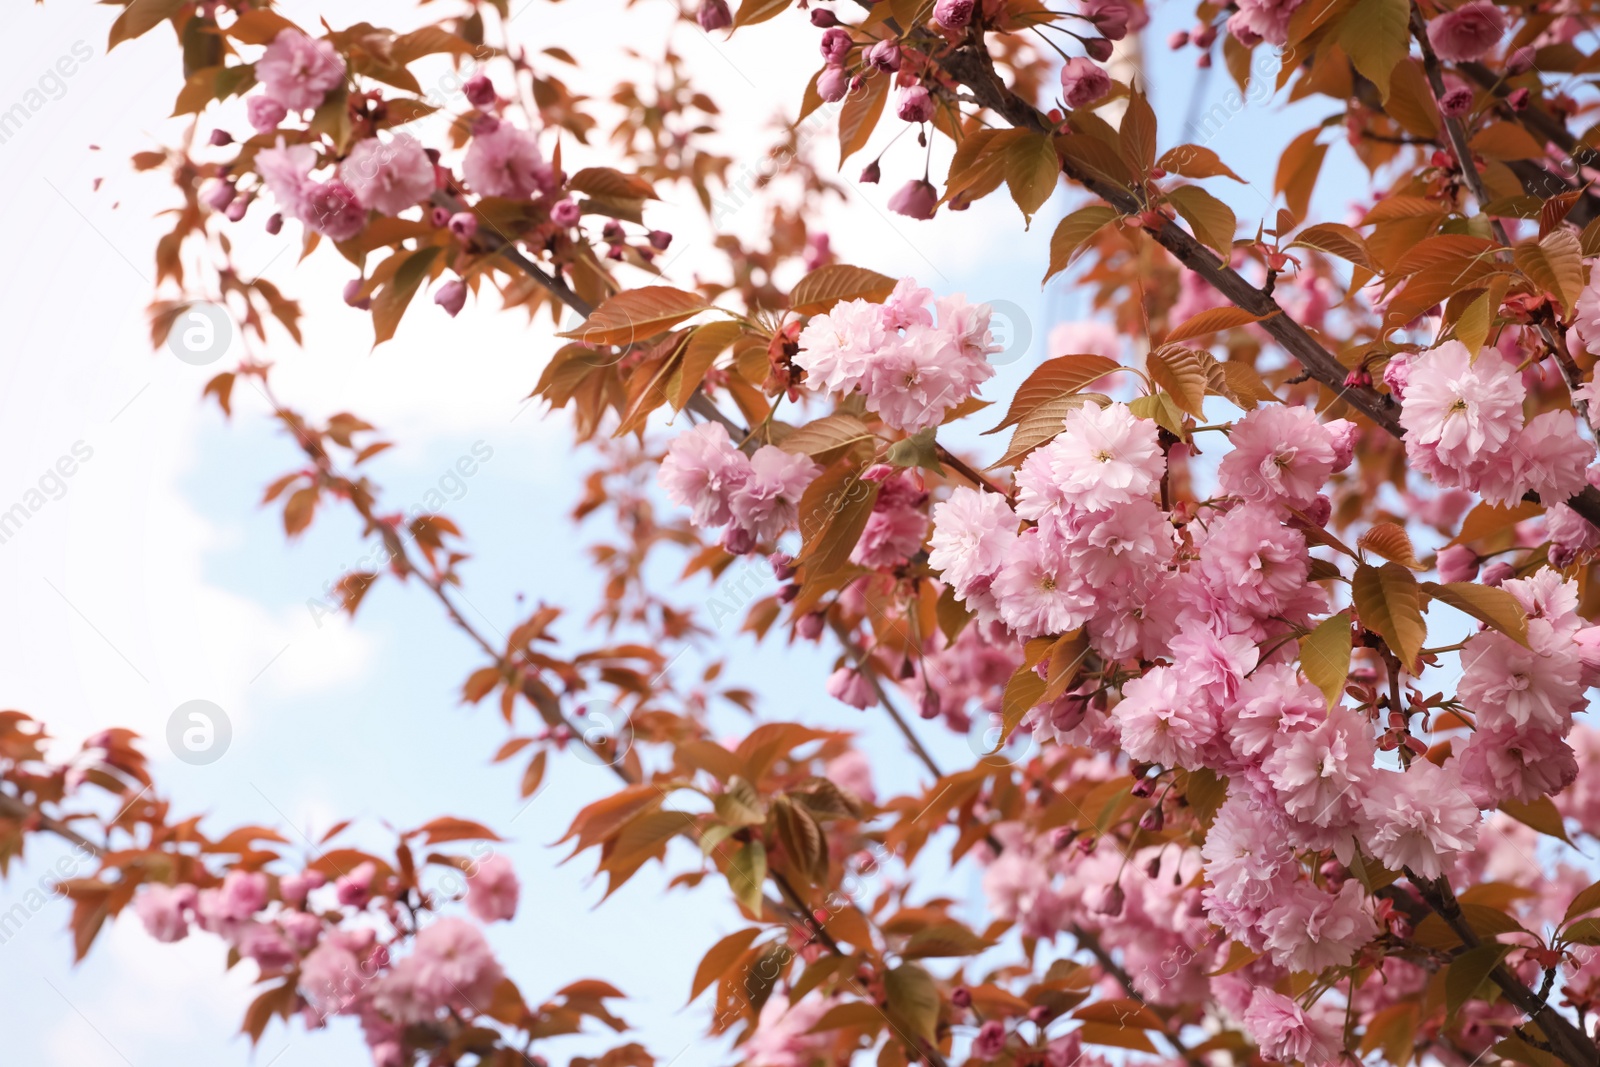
(236, 210)
(809, 626)
(953, 14)
(961, 997)
(439, 216)
(871, 173)
(915, 104)
(219, 138)
(218, 195)
(265, 114)
(1517, 99)
(823, 19)
(1456, 102)
(835, 46)
(480, 91)
(916, 199)
(452, 296)
(1497, 572)
(275, 223)
(464, 224)
(714, 15)
(660, 239)
(1457, 563)
(931, 705)
(1099, 49)
(1178, 39)
(833, 84)
(885, 55)
(565, 213)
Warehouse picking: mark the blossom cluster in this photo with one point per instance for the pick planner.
(755, 496)
(910, 371)
(1463, 416)
(295, 926)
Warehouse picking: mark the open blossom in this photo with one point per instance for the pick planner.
(493, 889)
(1036, 592)
(1272, 702)
(1161, 720)
(1083, 82)
(1311, 929)
(1286, 1033)
(297, 71)
(700, 472)
(1102, 457)
(450, 967)
(1320, 774)
(333, 210)
(1280, 453)
(1418, 817)
(972, 532)
(837, 348)
(162, 909)
(1252, 561)
(1262, 20)
(782, 1036)
(1512, 764)
(388, 176)
(506, 161)
(897, 526)
(849, 686)
(765, 502)
(286, 170)
(1468, 32)
(1509, 684)
(1458, 412)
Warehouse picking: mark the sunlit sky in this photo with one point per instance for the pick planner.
(154, 578)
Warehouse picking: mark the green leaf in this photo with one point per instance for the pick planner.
(913, 998)
(390, 302)
(1493, 607)
(1032, 170)
(1325, 656)
(1389, 601)
(1469, 971)
(1376, 35)
(747, 872)
(918, 450)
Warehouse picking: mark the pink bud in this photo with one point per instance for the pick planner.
(1457, 563)
(265, 114)
(1178, 39)
(236, 210)
(480, 91)
(452, 296)
(660, 240)
(218, 195)
(849, 687)
(714, 15)
(1517, 99)
(916, 199)
(931, 704)
(822, 18)
(439, 216)
(1497, 572)
(464, 224)
(915, 104)
(353, 297)
(1203, 36)
(885, 55)
(1343, 432)
(1456, 102)
(961, 997)
(275, 222)
(871, 173)
(835, 46)
(1099, 49)
(833, 84)
(808, 627)
(219, 138)
(566, 213)
(953, 14)
(1320, 510)
(1083, 83)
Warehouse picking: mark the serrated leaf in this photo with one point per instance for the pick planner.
(859, 115)
(1325, 656)
(722, 956)
(1032, 171)
(1376, 35)
(390, 302)
(1212, 320)
(700, 352)
(1392, 543)
(911, 996)
(1298, 168)
(1043, 423)
(1055, 378)
(1541, 814)
(828, 438)
(1486, 519)
(1183, 373)
(918, 450)
(1196, 161)
(1211, 220)
(1389, 601)
(1073, 232)
(1555, 264)
(635, 315)
(1335, 239)
(747, 871)
(826, 286)
(1493, 607)
(1587, 900)
(1138, 134)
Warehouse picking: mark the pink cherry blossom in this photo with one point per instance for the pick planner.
(764, 503)
(1161, 720)
(1280, 453)
(1286, 1033)
(388, 176)
(849, 686)
(1310, 930)
(493, 890)
(972, 534)
(1321, 774)
(700, 472)
(163, 908)
(1036, 592)
(1458, 412)
(1272, 702)
(1083, 82)
(1515, 764)
(1105, 456)
(782, 1036)
(297, 71)
(1509, 684)
(506, 161)
(1468, 32)
(1415, 819)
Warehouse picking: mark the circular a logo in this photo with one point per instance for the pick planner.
(198, 732)
(988, 740)
(201, 333)
(1011, 329)
(605, 733)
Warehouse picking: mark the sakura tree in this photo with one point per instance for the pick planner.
(1293, 604)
